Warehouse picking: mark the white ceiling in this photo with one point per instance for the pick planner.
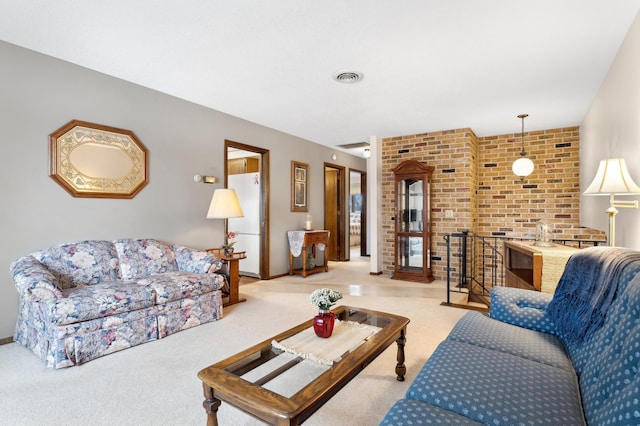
(428, 65)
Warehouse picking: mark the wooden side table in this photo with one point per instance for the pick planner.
(300, 240)
(233, 263)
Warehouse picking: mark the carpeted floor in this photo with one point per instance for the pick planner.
(156, 383)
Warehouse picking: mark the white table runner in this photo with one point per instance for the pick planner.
(346, 336)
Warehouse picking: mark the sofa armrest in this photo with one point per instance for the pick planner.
(524, 308)
(195, 261)
(33, 280)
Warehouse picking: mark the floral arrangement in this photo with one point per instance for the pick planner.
(228, 237)
(324, 298)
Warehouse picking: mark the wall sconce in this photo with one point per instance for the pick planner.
(205, 179)
(366, 153)
(613, 178)
(523, 166)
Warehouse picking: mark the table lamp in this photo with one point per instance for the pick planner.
(612, 178)
(224, 204)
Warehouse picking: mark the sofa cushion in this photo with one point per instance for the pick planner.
(497, 388)
(410, 413)
(199, 262)
(610, 363)
(587, 289)
(582, 353)
(478, 329)
(97, 301)
(180, 285)
(143, 257)
(80, 263)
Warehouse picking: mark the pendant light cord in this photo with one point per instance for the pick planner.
(522, 117)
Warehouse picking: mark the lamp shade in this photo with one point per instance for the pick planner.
(612, 177)
(224, 205)
(522, 167)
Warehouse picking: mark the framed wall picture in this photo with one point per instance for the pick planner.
(95, 161)
(299, 187)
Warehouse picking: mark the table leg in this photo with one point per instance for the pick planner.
(290, 263)
(304, 262)
(211, 404)
(401, 369)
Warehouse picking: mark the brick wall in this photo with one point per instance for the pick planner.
(453, 155)
(473, 179)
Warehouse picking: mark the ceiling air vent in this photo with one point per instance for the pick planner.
(348, 77)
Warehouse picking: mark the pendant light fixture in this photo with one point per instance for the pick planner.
(523, 166)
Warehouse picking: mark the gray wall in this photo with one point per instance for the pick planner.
(611, 129)
(38, 94)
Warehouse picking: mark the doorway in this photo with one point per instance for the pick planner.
(358, 212)
(334, 208)
(246, 169)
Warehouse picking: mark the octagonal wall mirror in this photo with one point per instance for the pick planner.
(95, 161)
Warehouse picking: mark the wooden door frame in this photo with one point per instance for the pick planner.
(342, 198)
(264, 195)
(363, 215)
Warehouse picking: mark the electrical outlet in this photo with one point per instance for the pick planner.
(448, 213)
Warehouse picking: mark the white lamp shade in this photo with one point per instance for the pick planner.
(612, 177)
(224, 205)
(522, 167)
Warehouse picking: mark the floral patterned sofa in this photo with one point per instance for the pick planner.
(572, 358)
(82, 300)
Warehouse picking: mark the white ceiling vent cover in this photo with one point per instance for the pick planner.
(348, 77)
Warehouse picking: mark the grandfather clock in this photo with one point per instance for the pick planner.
(413, 222)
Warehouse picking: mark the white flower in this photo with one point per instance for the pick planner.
(65, 307)
(153, 252)
(324, 298)
(82, 260)
(111, 322)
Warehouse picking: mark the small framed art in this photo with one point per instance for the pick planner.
(299, 187)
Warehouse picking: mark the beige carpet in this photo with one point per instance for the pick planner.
(156, 383)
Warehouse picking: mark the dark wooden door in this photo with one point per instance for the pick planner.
(331, 191)
(335, 211)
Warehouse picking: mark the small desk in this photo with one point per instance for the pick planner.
(299, 241)
(233, 263)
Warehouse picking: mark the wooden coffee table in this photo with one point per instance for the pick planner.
(223, 382)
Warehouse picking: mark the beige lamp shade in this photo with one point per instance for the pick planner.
(612, 177)
(224, 205)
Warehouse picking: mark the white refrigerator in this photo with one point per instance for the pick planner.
(247, 186)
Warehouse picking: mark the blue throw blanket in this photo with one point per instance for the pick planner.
(586, 289)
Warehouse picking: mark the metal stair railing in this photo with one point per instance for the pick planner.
(478, 266)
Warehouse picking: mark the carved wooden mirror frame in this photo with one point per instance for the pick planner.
(95, 161)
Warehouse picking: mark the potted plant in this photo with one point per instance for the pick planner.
(228, 245)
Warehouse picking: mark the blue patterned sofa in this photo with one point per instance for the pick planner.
(82, 300)
(568, 359)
